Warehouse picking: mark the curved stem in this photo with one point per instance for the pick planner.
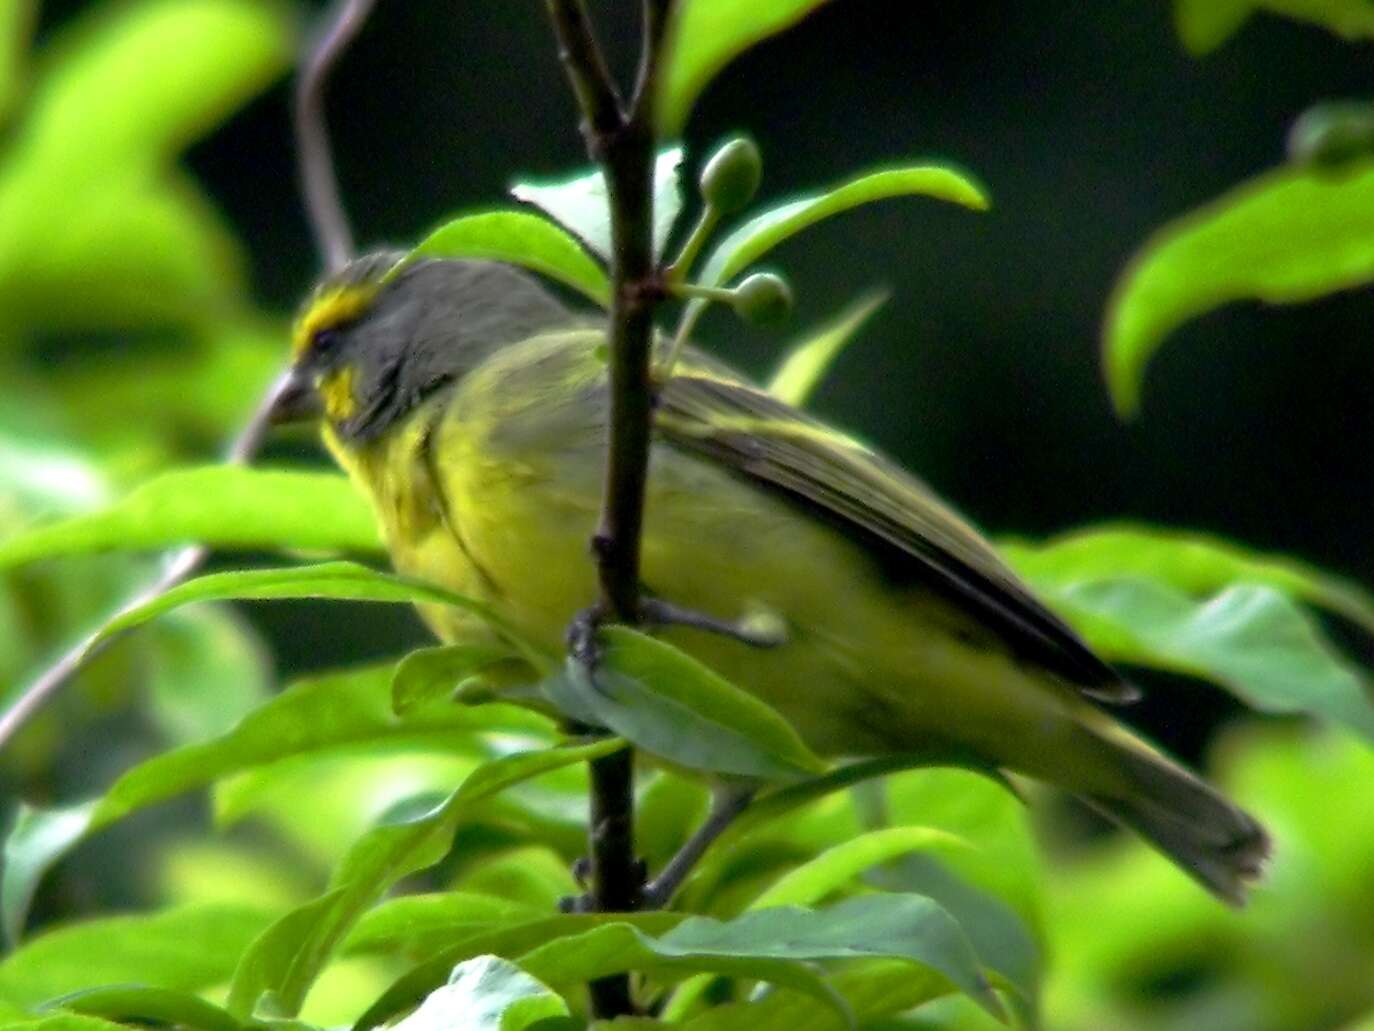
(319, 179)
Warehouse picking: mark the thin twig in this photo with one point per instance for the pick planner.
(319, 179)
(330, 224)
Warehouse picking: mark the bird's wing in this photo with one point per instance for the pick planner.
(914, 536)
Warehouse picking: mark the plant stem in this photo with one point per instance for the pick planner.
(621, 141)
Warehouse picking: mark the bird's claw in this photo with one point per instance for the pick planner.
(765, 630)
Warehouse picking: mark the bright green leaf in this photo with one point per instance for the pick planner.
(873, 989)
(429, 674)
(37, 838)
(147, 80)
(522, 239)
(485, 993)
(63, 1022)
(509, 942)
(1252, 640)
(763, 232)
(1286, 237)
(906, 927)
(817, 878)
(425, 924)
(188, 948)
(324, 714)
(146, 1005)
(807, 361)
(289, 956)
(346, 581)
(580, 204)
(207, 670)
(223, 506)
(1195, 563)
(704, 37)
(619, 947)
(673, 706)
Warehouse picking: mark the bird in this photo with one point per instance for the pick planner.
(469, 404)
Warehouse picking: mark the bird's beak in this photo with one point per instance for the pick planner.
(295, 399)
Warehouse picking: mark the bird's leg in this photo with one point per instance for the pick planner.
(729, 802)
(758, 633)
(581, 636)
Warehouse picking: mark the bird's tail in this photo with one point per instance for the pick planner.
(1212, 839)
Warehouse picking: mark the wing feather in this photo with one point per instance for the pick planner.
(912, 533)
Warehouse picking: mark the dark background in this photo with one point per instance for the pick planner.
(1090, 126)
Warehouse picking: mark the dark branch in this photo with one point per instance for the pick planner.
(592, 85)
(623, 144)
(319, 180)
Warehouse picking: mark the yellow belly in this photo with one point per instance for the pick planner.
(867, 668)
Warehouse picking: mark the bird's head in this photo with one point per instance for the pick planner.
(378, 337)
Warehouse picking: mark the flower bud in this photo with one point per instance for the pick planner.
(1328, 136)
(763, 299)
(731, 177)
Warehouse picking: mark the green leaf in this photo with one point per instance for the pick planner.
(421, 925)
(1204, 25)
(808, 360)
(509, 942)
(906, 927)
(140, 1004)
(993, 889)
(673, 706)
(188, 949)
(581, 204)
(705, 36)
(16, 24)
(319, 715)
(620, 947)
(873, 989)
(37, 838)
(1251, 640)
(765, 231)
(289, 956)
(1286, 237)
(223, 506)
(144, 82)
(523, 239)
(63, 1022)
(486, 993)
(814, 880)
(345, 581)
(1195, 563)
(207, 671)
(429, 674)
(1349, 19)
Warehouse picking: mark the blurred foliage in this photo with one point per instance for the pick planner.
(376, 851)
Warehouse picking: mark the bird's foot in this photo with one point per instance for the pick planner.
(583, 646)
(758, 630)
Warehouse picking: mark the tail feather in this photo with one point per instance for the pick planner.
(1220, 845)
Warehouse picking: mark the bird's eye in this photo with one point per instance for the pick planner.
(323, 341)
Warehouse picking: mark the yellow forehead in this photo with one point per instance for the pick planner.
(334, 306)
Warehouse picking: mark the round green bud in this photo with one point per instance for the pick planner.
(731, 177)
(763, 299)
(1330, 135)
